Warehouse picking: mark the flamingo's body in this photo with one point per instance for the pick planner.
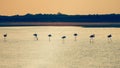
(92, 36)
(75, 34)
(63, 37)
(109, 36)
(49, 35)
(35, 35)
(5, 35)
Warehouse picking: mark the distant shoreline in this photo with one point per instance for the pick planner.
(61, 18)
(83, 24)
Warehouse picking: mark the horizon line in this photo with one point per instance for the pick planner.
(59, 14)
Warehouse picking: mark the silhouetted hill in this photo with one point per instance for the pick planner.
(61, 18)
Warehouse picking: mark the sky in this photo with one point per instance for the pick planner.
(71, 7)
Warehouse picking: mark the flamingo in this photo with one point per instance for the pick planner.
(75, 36)
(109, 37)
(5, 35)
(49, 37)
(92, 37)
(35, 36)
(63, 37)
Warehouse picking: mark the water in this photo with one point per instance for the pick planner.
(22, 50)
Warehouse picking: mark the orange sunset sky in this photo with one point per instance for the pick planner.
(21, 7)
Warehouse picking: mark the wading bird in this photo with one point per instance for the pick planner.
(5, 35)
(35, 35)
(63, 37)
(49, 37)
(92, 37)
(109, 37)
(75, 36)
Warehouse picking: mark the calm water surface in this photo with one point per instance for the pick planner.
(21, 50)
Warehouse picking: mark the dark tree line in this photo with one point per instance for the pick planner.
(61, 18)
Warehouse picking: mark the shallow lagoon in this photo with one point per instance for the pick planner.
(21, 50)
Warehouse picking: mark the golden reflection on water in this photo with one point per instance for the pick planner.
(21, 50)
